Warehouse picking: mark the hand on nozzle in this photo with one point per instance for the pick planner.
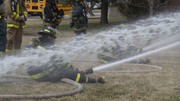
(88, 71)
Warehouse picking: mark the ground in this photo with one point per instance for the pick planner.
(162, 85)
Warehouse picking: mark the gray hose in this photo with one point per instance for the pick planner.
(46, 96)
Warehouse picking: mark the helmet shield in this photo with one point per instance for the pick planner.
(47, 31)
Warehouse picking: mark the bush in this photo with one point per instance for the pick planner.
(132, 9)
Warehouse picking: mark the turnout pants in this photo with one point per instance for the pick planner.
(14, 38)
(3, 38)
(55, 74)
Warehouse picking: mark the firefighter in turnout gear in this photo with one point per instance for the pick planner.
(52, 16)
(3, 38)
(16, 17)
(114, 51)
(79, 17)
(46, 39)
(56, 72)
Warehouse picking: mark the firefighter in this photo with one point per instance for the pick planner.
(3, 38)
(17, 15)
(56, 72)
(46, 39)
(79, 17)
(52, 16)
(113, 51)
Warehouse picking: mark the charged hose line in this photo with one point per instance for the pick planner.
(79, 86)
(46, 96)
(99, 68)
(156, 68)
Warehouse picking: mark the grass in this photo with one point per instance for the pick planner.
(162, 85)
(64, 27)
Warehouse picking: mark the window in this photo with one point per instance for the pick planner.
(34, 0)
(35, 7)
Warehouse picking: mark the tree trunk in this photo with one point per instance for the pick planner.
(151, 7)
(104, 12)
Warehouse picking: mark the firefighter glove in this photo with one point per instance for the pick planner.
(22, 18)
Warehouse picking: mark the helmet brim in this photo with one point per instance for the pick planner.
(44, 34)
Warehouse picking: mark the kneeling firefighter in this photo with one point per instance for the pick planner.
(114, 52)
(79, 17)
(45, 40)
(57, 72)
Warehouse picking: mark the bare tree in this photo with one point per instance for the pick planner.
(151, 7)
(155, 4)
(137, 8)
(104, 11)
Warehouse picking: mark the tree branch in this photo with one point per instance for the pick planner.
(162, 4)
(139, 6)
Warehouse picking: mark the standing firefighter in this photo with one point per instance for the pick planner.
(3, 38)
(17, 15)
(56, 72)
(52, 16)
(79, 17)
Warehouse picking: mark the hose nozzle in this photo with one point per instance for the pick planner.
(88, 71)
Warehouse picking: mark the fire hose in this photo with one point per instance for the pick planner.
(46, 96)
(79, 86)
(154, 68)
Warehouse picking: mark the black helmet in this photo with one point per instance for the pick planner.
(47, 31)
(50, 1)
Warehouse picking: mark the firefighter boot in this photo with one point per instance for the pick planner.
(101, 80)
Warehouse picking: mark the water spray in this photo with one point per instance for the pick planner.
(99, 68)
(166, 41)
(143, 30)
